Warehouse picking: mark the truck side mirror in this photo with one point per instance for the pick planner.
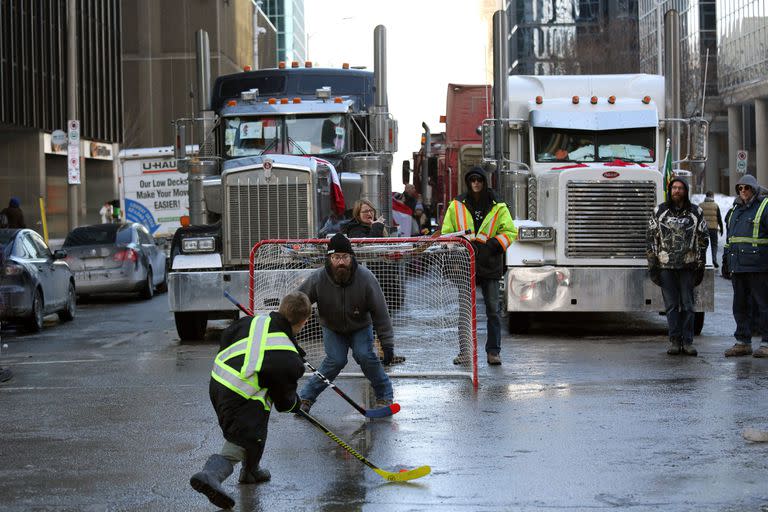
(699, 136)
(406, 172)
(489, 144)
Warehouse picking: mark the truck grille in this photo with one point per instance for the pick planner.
(608, 219)
(259, 210)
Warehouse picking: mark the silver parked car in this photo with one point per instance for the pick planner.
(113, 258)
(33, 282)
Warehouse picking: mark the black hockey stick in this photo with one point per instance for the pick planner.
(380, 412)
(401, 476)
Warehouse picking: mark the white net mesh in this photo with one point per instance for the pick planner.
(427, 285)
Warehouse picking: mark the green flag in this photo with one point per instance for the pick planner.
(668, 174)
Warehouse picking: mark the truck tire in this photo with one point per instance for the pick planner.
(191, 325)
(698, 323)
(518, 323)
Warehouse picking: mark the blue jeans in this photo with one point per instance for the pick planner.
(336, 349)
(490, 290)
(677, 290)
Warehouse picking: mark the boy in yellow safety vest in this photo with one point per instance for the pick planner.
(258, 367)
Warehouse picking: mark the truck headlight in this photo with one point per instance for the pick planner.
(204, 244)
(534, 234)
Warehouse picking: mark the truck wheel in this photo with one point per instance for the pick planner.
(191, 325)
(518, 323)
(698, 323)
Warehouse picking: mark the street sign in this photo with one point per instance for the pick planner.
(741, 161)
(73, 152)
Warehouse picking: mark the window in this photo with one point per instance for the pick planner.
(42, 249)
(563, 145)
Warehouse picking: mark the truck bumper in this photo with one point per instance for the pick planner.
(204, 290)
(592, 289)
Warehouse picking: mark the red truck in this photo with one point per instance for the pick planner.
(439, 166)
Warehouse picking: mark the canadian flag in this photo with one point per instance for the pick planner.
(337, 195)
(402, 216)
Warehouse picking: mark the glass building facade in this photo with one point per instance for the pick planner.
(743, 41)
(572, 36)
(288, 18)
(698, 35)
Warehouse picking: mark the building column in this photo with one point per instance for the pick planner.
(761, 141)
(735, 139)
(712, 166)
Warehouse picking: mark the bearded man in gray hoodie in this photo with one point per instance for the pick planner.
(349, 303)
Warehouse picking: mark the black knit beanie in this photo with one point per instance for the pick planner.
(340, 243)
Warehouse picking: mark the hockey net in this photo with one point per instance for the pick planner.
(427, 283)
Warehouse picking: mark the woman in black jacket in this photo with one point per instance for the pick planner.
(364, 223)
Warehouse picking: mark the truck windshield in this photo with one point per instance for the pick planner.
(252, 136)
(561, 145)
(293, 135)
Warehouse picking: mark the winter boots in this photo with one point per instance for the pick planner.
(250, 476)
(739, 349)
(208, 481)
(673, 348)
(494, 359)
(382, 402)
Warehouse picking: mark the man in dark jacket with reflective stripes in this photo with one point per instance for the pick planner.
(677, 241)
(257, 368)
(747, 256)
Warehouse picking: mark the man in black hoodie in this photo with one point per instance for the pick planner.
(676, 249)
(491, 231)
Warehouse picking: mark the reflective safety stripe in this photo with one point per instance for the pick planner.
(503, 240)
(755, 240)
(484, 234)
(461, 215)
(245, 382)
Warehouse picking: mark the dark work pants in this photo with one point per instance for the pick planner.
(490, 291)
(677, 290)
(713, 233)
(750, 294)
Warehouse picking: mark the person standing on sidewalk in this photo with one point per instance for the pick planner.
(714, 222)
(747, 255)
(676, 249)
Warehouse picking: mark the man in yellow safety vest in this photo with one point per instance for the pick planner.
(491, 232)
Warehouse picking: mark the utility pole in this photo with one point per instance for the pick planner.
(72, 113)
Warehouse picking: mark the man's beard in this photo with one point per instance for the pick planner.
(341, 273)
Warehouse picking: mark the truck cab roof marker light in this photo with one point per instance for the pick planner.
(246, 68)
(443, 119)
(281, 64)
(593, 100)
(345, 65)
(646, 99)
(231, 103)
(611, 99)
(294, 64)
(307, 63)
(283, 101)
(323, 93)
(575, 100)
(337, 99)
(539, 100)
(272, 101)
(297, 100)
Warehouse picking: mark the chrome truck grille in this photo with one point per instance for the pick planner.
(260, 210)
(608, 219)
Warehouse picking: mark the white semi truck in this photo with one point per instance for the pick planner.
(579, 159)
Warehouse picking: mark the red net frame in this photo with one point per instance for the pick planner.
(447, 267)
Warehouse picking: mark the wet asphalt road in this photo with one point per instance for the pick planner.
(111, 412)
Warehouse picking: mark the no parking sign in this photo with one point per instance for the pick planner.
(741, 161)
(73, 152)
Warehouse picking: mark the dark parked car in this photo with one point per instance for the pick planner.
(110, 258)
(33, 282)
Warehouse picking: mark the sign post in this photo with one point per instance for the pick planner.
(73, 152)
(741, 161)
